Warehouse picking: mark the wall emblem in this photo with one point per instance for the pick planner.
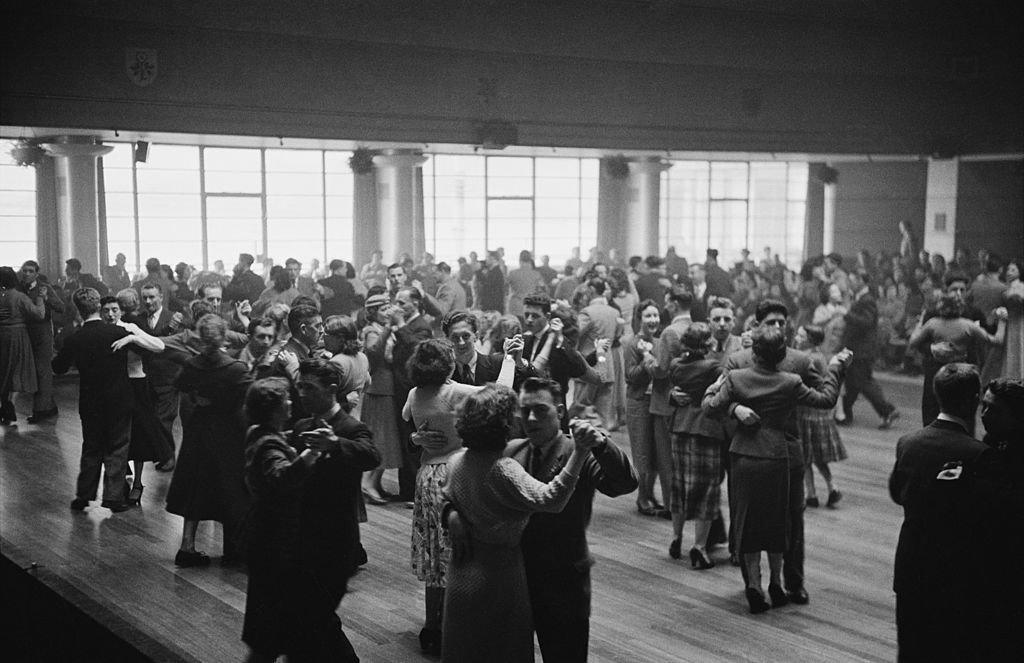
(140, 65)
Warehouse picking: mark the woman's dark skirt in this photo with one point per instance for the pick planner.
(758, 503)
(149, 439)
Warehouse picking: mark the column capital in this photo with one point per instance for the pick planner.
(651, 165)
(399, 158)
(75, 146)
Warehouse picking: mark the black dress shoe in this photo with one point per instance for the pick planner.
(186, 558)
(675, 549)
(833, 498)
(42, 415)
(430, 641)
(756, 602)
(79, 504)
(116, 507)
(799, 596)
(778, 596)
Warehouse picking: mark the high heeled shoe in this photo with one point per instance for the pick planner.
(430, 641)
(756, 602)
(675, 549)
(699, 560)
(778, 596)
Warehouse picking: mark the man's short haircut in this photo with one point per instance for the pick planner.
(768, 306)
(255, 323)
(654, 261)
(444, 268)
(414, 294)
(396, 265)
(201, 291)
(303, 300)
(245, 258)
(993, 263)
(292, 261)
(535, 384)
(634, 261)
(152, 264)
(815, 335)
(681, 296)
(598, 285)
(538, 300)
(200, 307)
(153, 285)
(712, 253)
(721, 302)
(87, 301)
(109, 299)
(455, 317)
(322, 370)
(957, 386)
(1011, 392)
(836, 258)
(525, 256)
(300, 315)
(953, 277)
(31, 263)
(74, 263)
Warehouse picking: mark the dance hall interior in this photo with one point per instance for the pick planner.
(393, 331)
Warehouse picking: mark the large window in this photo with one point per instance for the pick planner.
(730, 205)
(201, 205)
(476, 203)
(17, 215)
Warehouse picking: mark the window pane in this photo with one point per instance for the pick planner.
(168, 206)
(294, 161)
(173, 157)
(509, 186)
(728, 180)
(728, 228)
(232, 182)
(458, 164)
(797, 181)
(18, 203)
(171, 251)
(337, 162)
(153, 180)
(232, 160)
(295, 206)
(120, 158)
(285, 183)
(551, 167)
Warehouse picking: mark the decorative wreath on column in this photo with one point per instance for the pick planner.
(361, 161)
(617, 167)
(27, 153)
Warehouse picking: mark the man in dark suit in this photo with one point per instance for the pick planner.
(105, 401)
(244, 284)
(283, 361)
(344, 300)
(563, 363)
(409, 326)
(116, 276)
(935, 559)
(554, 545)
(773, 313)
(860, 334)
(471, 366)
(719, 281)
(157, 320)
(329, 524)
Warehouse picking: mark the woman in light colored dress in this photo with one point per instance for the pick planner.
(17, 365)
(487, 607)
(433, 403)
(341, 338)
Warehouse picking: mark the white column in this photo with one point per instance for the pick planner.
(940, 206)
(643, 197)
(400, 224)
(78, 232)
(828, 218)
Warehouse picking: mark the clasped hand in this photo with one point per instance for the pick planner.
(585, 435)
(322, 440)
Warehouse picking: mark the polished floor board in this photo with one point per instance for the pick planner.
(647, 608)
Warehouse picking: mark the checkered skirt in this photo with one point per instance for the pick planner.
(696, 476)
(819, 435)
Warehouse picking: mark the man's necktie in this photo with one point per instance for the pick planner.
(467, 375)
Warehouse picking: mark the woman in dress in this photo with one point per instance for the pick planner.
(1013, 300)
(696, 447)
(640, 358)
(487, 608)
(432, 404)
(818, 431)
(760, 451)
(341, 338)
(209, 482)
(277, 601)
(17, 364)
(378, 409)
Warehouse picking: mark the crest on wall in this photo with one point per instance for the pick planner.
(140, 65)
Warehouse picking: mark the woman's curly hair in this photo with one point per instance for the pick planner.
(432, 362)
(485, 418)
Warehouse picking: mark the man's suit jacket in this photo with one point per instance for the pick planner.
(329, 526)
(406, 338)
(860, 333)
(161, 369)
(563, 363)
(103, 375)
(487, 369)
(718, 280)
(244, 286)
(598, 320)
(557, 542)
(162, 326)
(939, 516)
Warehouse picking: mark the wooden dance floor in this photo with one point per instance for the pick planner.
(646, 607)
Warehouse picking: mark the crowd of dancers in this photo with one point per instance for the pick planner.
(492, 392)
